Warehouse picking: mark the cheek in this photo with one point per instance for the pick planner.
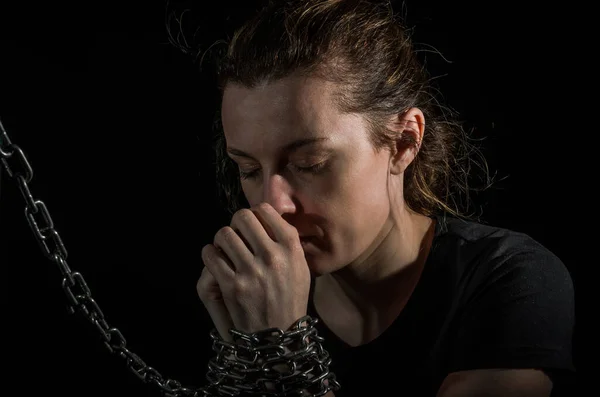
(360, 207)
(369, 204)
(365, 187)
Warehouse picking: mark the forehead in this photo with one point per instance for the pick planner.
(291, 107)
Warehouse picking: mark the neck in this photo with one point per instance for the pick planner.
(386, 274)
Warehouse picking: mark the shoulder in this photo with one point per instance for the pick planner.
(489, 239)
(482, 253)
(511, 300)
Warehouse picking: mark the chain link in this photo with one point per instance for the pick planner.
(79, 295)
(245, 367)
(272, 363)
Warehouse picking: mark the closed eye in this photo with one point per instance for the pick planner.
(313, 169)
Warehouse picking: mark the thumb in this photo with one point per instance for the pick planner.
(211, 296)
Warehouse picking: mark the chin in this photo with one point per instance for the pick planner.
(317, 266)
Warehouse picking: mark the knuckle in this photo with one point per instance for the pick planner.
(293, 238)
(239, 289)
(224, 233)
(272, 258)
(295, 246)
(242, 215)
(264, 206)
(224, 230)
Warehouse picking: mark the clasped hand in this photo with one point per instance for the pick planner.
(255, 275)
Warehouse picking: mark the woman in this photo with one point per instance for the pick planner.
(351, 170)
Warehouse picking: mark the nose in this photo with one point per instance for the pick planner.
(277, 191)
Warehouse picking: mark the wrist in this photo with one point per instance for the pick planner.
(273, 361)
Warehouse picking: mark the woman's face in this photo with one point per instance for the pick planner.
(313, 164)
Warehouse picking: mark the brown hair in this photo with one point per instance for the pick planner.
(363, 46)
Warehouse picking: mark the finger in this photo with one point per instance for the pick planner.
(211, 296)
(279, 229)
(251, 231)
(232, 246)
(218, 263)
(208, 287)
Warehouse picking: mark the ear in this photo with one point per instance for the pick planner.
(410, 127)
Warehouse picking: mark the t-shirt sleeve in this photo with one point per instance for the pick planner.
(517, 311)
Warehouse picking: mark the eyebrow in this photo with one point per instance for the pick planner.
(290, 147)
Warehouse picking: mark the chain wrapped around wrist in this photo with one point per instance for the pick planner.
(298, 350)
(271, 363)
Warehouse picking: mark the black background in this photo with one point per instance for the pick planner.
(116, 124)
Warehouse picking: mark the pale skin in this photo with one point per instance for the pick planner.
(366, 244)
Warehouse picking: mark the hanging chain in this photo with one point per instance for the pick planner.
(76, 289)
(307, 366)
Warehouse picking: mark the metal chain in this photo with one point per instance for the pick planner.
(78, 293)
(228, 377)
(252, 364)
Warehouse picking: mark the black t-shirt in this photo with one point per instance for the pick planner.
(487, 298)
